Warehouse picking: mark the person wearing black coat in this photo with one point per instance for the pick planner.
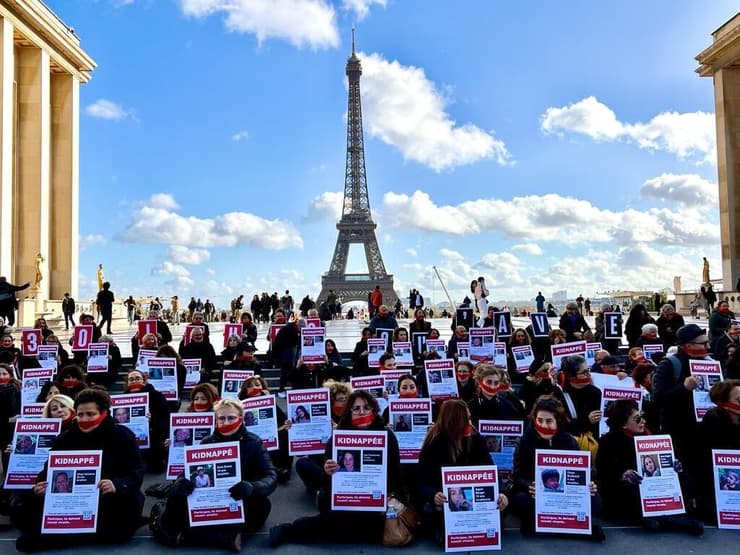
(79, 357)
(114, 365)
(582, 397)
(121, 500)
(573, 323)
(284, 348)
(258, 480)
(199, 347)
(159, 420)
(71, 380)
(249, 330)
(360, 413)
(546, 431)
(10, 406)
(495, 400)
(669, 322)
(637, 318)
(360, 355)
(619, 481)
(542, 380)
(452, 441)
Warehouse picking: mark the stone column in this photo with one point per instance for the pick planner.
(63, 254)
(32, 194)
(727, 108)
(7, 103)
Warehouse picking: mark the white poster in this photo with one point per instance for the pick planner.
(622, 389)
(214, 468)
(523, 357)
(402, 353)
(360, 483)
(726, 467)
(707, 373)
(660, 490)
(186, 429)
(472, 517)
(481, 344)
(463, 351)
(163, 376)
(142, 358)
(312, 345)
(390, 379)
(375, 349)
(438, 346)
(33, 380)
(72, 494)
(562, 491)
(260, 418)
(48, 356)
(563, 350)
(410, 420)
(375, 385)
(192, 372)
(232, 382)
(309, 411)
(499, 354)
(441, 381)
(130, 410)
(32, 440)
(97, 358)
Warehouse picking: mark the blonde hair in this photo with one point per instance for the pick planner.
(61, 399)
(229, 403)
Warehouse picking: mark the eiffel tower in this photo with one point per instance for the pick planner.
(356, 225)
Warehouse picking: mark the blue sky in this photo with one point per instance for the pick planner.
(545, 145)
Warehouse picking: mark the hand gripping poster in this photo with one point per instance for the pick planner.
(310, 414)
(410, 420)
(360, 483)
(72, 494)
(707, 373)
(660, 490)
(472, 517)
(726, 466)
(32, 440)
(562, 491)
(186, 429)
(214, 468)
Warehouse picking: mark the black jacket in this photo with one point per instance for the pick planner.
(616, 455)
(435, 455)
(203, 350)
(675, 403)
(524, 457)
(503, 406)
(256, 464)
(10, 405)
(585, 401)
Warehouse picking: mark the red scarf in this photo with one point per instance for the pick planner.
(138, 386)
(201, 406)
(364, 420)
(585, 380)
(5, 381)
(228, 429)
(337, 410)
(547, 433)
(468, 431)
(410, 395)
(92, 424)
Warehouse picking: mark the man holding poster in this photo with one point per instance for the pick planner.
(240, 477)
(101, 460)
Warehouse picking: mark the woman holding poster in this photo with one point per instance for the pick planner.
(62, 407)
(451, 441)
(583, 401)
(542, 380)
(71, 380)
(619, 480)
(159, 421)
(256, 386)
(360, 413)
(258, 480)
(495, 400)
(547, 431)
(202, 397)
(121, 500)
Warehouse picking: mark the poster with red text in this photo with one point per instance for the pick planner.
(260, 418)
(145, 327)
(130, 410)
(214, 468)
(441, 380)
(72, 494)
(309, 411)
(562, 350)
(472, 517)
(726, 466)
(410, 420)
(609, 394)
(481, 344)
(660, 491)
(232, 382)
(360, 483)
(232, 329)
(707, 373)
(312, 345)
(33, 381)
(32, 440)
(502, 438)
(562, 491)
(375, 349)
(186, 429)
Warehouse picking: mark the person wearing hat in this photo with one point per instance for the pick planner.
(673, 385)
(610, 365)
(244, 358)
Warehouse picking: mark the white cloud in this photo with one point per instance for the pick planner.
(163, 201)
(404, 109)
(107, 109)
(450, 254)
(689, 135)
(300, 22)
(158, 222)
(529, 248)
(168, 268)
(549, 217)
(184, 255)
(685, 189)
(326, 206)
(505, 265)
(412, 252)
(361, 7)
(240, 136)
(91, 240)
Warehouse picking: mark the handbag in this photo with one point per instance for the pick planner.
(400, 522)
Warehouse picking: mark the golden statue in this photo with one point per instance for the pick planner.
(39, 276)
(101, 277)
(705, 271)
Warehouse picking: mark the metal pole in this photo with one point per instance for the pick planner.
(444, 288)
